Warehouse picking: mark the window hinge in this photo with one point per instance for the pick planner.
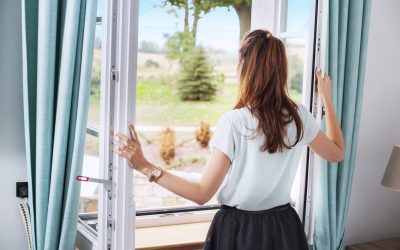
(114, 75)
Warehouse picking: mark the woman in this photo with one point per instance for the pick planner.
(256, 149)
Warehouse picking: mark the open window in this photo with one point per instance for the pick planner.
(136, 77)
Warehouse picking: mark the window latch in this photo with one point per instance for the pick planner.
(114, 75)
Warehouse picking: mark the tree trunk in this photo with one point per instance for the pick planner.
(243, 10)
(196, 18)
(186, 20)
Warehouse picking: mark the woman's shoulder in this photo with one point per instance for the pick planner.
(303, 110)
(237, 117)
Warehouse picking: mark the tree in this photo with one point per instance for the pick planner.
(196, 81)
(199, 8)
(179, 46)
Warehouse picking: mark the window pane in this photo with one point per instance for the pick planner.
(162, 46)
(296, 54)
(89, 191)
(296, 16)
(88, 198)
(294, 31)
(94, 99)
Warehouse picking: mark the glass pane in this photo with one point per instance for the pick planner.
(161, 78)
(94, 99)
(296, 54)
(296, 16)
(88, 197)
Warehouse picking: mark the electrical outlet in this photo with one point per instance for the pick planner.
(22, 189)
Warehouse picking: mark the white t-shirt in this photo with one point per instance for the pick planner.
(258, 180)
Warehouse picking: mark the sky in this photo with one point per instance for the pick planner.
(218, 29)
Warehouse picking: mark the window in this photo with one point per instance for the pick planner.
(150, 86)
(162, 40)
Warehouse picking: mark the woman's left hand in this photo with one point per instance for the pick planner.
(130, 148)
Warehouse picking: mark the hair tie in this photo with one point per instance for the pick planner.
(268, 34)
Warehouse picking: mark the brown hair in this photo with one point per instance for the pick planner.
(263, 73)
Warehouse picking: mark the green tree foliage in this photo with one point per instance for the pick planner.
(196, 81)
(179, 46)
(199, 8)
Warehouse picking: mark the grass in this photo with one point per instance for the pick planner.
(158, 104)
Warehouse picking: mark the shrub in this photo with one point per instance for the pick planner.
(150, 63)
(203, 134)
(166, 139)
(196, 81)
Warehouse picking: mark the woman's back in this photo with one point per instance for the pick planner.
(258, 180)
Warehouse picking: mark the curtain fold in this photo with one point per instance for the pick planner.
(58, 39)
(348, 25)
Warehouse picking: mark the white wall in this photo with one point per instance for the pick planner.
(12, 149)
(374, 211)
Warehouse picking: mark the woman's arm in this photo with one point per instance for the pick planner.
(329, 146)
(199, 192)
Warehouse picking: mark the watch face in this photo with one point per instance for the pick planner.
(157, 173)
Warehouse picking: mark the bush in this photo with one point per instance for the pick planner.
(166, 139)
(196, 81)
(150, 63)
(203, 134)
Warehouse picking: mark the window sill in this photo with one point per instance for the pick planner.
(173, 237)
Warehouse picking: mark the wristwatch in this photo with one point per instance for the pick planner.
(155, 174)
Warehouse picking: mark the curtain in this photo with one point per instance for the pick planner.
(58, 40)
(348, 25)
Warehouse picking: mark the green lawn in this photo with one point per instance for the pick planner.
(158, 105)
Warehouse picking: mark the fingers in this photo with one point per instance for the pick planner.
(321, 76)
(133, 133)
(119, 145)
(120, 152)
(122, 137)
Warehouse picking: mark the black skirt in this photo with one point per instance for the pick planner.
(278, 228)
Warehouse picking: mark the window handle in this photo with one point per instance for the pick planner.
(106, 183)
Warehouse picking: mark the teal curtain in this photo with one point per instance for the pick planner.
(348, 25)
(58, 40)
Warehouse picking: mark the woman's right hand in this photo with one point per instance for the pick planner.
(324, 86)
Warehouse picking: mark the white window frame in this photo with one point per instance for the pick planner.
(117, 102)
(116, 216)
